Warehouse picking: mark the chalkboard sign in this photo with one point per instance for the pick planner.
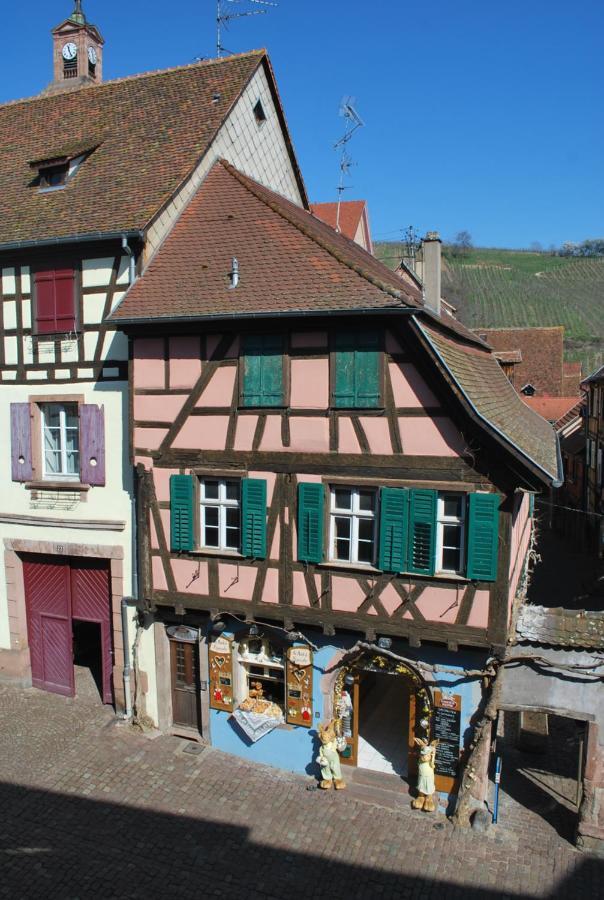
(447, 729)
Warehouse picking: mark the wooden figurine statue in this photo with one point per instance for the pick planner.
(328, 758)
(425, 781)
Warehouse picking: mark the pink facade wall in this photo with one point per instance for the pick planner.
(425, 436)
(147, 408)
(185, 361)
(309, 383)
(519, 544)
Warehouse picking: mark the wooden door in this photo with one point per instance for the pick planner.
(91, 602)
(351, 754)
(185, 683)
(48, 607)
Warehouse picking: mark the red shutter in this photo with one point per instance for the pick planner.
(55, 301)
(20, 428)
(92, 444)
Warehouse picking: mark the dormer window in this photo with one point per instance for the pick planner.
(54, 172)
(53, 176)
(259, 114)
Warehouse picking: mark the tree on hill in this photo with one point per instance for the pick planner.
(462, 243)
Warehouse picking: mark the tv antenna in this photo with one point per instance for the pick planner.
(223, 17)
(352, 123)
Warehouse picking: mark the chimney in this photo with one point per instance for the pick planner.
(432, 270)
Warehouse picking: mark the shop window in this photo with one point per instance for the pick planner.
(262, 675)
(220, 514)
(352, 525)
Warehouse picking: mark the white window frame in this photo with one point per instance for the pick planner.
(355, 514)
(222, 504)
(441, 521)
(273, 670)
(63, 475)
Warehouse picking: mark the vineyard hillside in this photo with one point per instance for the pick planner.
(511, 288)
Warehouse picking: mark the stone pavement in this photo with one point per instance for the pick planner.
(91, 808)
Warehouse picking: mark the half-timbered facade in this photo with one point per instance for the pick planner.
(92, 178)
(334, 489)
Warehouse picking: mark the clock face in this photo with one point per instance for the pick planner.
(70, 51)
(92, 56)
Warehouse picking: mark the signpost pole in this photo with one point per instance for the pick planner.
(497, 783)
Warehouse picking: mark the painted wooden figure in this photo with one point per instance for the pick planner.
(425, 780)
(329, 759)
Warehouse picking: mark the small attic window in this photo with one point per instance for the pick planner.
(54, 173)
(528, 390)
(53, 176)
(259, 114)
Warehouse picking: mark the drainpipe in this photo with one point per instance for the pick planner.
(127, 692)
(130, 253)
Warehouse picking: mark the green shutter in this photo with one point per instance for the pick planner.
(263, 370)
(392, 555)
(422, 531)
(310, 522)
(483, 536)
(357, 370)
(181, 512)
(253, 517)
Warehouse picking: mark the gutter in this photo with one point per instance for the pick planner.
(288, 314)
(74, 239)
(556, 481)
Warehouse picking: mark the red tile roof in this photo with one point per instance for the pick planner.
(351, 213)
(149, 131)
(542, 351)
(551, 408)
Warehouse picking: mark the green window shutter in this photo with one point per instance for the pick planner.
(422, 531)
(357, 370)
(392, 554)
(483, 536)
(310, 522)
(181, 512)
(263, 370)
(253, 517)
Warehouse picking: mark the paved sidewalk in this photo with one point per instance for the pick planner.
(91, 808)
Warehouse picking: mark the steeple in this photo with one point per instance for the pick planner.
(77, 53)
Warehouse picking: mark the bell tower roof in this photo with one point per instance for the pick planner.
(77, 15)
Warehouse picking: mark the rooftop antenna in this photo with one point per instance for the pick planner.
(411, 242)
(353, 121)
(223, 17)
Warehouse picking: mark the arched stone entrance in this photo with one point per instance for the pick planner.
(381, 705)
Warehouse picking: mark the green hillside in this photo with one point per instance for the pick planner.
(507, 288)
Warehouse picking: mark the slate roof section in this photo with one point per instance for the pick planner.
(558, 627)
(149, 131)
(488, 393)
(542, 352)
(289, 261)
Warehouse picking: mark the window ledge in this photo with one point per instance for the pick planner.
(56, 486)
(208, 551)
(372, 570)
(349, 567)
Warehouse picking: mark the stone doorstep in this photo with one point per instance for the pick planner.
(376, 788)
(381, 780)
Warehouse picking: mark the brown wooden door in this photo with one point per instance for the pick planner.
(353, 742)
(185, 683)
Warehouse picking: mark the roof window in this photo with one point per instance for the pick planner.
(54, 172)
(259, 114)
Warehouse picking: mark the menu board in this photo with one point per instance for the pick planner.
(447, 729)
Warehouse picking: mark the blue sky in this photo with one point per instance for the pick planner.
(479, 116)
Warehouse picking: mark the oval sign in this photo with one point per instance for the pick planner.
(183, 633)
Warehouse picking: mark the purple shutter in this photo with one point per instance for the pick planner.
(20, 429)
(92, 444)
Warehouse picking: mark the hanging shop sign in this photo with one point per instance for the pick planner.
(221, 674)
(298, 686)
(446, 728)
(183, 633)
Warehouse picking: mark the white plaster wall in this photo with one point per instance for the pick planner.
(257, 151)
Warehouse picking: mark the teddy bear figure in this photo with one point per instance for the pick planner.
(425, 780)
(328, 758)
(256, 691)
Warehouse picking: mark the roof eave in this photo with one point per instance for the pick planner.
(131, 234)
(146, 321)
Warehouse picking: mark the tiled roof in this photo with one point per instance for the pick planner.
(149, 132)
(551, 408)
(574, 413)
(351, 212)
(288, 260)
(489, 393)
(542, 351)
(508, 356)
(595, 377)
(559, 627)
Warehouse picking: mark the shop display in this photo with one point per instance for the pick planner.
(425, 780)
(299, 686)
(328, 758)
(221, 674)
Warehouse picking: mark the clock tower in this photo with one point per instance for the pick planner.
(77, 53)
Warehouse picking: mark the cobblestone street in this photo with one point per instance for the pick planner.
(92, 808)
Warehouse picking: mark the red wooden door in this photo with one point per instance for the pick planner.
(90, 602)
(47, 596)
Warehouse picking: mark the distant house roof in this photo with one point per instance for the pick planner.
(595, 377)
(508, 356)
(353, 213)
(552, 408)
(559, 627)
(149, 131)
(542, 352)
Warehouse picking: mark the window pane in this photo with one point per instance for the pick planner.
(452, 505)
(343, 498)
(212, 516)
(52, 439)
(52, 463)
(342, 542)
(211, 536)
(365, 551)
(72, 440)
(451, 536)
(52, 415)
(451, 560)
(72, 463)
(366, 500)
(211, 490)
(366, 529)
(71, 416)
(232, 528)
(232, 490)
(232, 517)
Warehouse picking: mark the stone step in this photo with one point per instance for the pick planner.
(380, 780)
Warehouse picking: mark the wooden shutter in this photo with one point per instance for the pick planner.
(20, 430)
(263, 370)
(92, 444)
(422, 531)
(483, 536)
(310, 522)
(357, 368)
(344, 381)
(253, 517)
(55, 300)
(298, 686)
(221, 674)
(392, 553)
(181, 512)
